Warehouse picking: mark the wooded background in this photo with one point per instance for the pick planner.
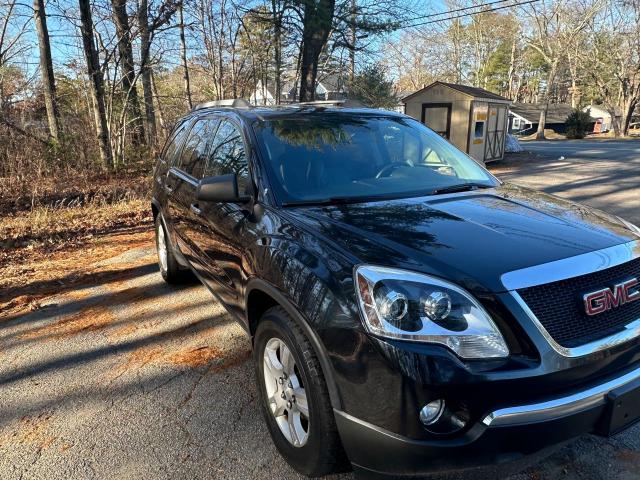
(90, 86)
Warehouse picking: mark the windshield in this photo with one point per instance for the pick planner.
(330, 156)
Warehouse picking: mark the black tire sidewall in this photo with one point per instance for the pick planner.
(304, 459)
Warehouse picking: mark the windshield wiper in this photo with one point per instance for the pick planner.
(336, 200)
(462, 187)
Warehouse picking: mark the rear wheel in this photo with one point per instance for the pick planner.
(295, 400)
(169, 267)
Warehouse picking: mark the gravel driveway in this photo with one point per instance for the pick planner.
(602, 173)
(125, 377)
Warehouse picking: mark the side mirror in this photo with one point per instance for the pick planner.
(221, 189)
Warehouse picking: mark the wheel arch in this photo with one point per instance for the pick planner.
(259, 297)
(155, 208)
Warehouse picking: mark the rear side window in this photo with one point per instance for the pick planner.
(227, 154)
(194, 152)
(173, 145)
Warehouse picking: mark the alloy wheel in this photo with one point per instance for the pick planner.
(162, 248)
(286, 395)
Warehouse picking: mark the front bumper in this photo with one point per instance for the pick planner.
(502, 436)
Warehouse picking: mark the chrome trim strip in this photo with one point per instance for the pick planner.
(571, 267)
(559, 407)
(631, 331)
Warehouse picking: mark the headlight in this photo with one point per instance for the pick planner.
(411, 306)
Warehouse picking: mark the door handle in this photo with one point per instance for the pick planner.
(195, 208)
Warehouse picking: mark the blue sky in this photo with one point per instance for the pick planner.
(65, 43)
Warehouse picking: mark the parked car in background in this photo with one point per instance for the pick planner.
(409, 313)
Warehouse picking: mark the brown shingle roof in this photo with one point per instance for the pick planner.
(556, 113)
(467, 90)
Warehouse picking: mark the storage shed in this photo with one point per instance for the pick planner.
(473, 119)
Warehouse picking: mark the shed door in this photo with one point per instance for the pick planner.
(496, 129)
(437, 116)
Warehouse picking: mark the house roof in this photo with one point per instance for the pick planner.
(287, 87)
(601, 110)
(467, 90)
(332, 82)
(556, 112)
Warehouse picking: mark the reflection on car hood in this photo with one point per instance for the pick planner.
(470, 238)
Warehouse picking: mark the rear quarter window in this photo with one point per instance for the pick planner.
(172, 148)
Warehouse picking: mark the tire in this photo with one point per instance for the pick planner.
(321, 452)
(169, 267)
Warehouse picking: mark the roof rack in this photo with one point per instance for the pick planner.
(231, 102)
(348, 103)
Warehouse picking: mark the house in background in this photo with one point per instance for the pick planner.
(331, 87)
(401, 95)
(265, 93)
(602, 118)
(525, 117)
(328, 87)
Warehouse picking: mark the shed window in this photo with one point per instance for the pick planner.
(479, 131)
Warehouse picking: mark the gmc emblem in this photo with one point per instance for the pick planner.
(607, 298)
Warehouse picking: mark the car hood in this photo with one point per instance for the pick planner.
(470, 238)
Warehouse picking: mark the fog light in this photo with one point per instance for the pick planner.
(432, 412)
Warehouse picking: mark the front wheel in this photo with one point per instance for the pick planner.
(169, 267)
(295, 400)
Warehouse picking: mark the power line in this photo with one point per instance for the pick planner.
(516, 4)
(448, 12)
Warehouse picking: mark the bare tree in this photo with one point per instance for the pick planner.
(125, 49)
(148, 30)
(46, 69)
(278, 11)
(145, 70)
(554, 24)
(96, 82)
(183, 57)
(11, 47)
(613, 60)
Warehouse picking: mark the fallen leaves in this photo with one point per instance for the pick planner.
(31, 430)
(25, 282)
(195, 357)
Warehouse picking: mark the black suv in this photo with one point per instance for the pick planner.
(409, 312)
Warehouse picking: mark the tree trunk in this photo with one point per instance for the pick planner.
(183, 56)
(220, 58)
(352, 49)
(46, 69)
(127, 65)
(512, 69)
(542, 121)
(95, 77)
(547, 97)
(318, 17)
(277, 49)
(575, 94)
(625, 116)
(154, 87)
(145, 71)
